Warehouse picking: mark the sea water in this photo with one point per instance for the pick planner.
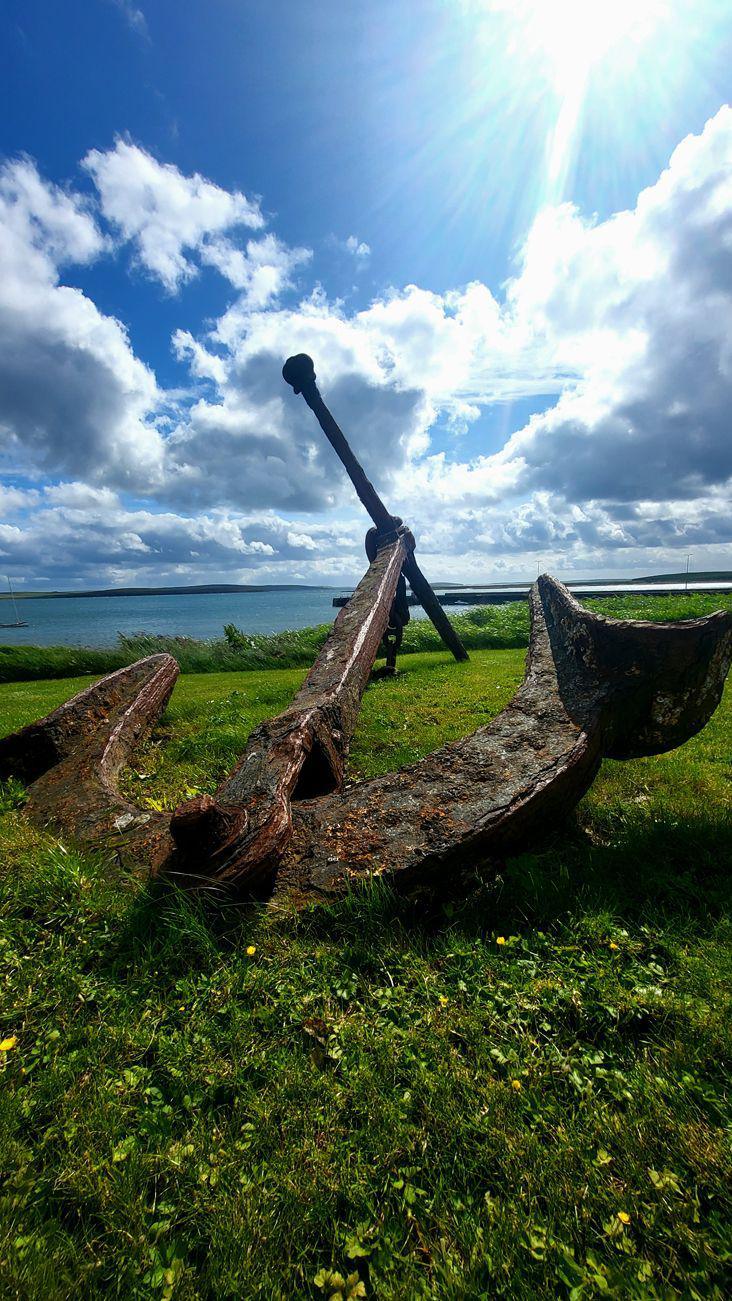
(97, 620)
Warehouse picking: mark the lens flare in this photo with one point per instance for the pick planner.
(566, 41)
(574, 34)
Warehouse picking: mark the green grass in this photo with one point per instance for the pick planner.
(182, 1119)
(488, 627)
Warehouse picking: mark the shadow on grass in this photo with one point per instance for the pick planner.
(662, 872)
(664, 867)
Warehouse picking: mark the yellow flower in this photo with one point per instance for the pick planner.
(7, 1044)
(444, 999)
(613, 945)
(500, 939)
(251, 950)
(516, 1084)
(623, 1217)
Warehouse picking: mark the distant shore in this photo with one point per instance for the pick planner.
(200, 589)
(492, 627)
(216, 589)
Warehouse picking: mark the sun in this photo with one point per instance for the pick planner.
(572, 36)
(562, 44)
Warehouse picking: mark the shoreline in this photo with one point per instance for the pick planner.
(485, 627)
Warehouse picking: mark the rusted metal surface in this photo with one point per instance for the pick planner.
(593, 687)
(281, 822)
(656, 684)
(399, 615)
(72, 758)
(239, 834)
(299, 372)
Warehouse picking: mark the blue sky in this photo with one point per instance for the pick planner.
(441, 202)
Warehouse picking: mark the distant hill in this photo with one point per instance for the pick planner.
(705, 576)
(200, 589)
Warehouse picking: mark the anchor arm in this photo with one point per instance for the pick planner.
(71, 760)
(593, 687)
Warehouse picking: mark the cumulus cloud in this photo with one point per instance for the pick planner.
(43, 220)
(166, 215)
(88, 537)
(261, 271)
(644, 303)
(626, 322)
(358, 247)
(249, 448)
(389, 371)
(74, 397)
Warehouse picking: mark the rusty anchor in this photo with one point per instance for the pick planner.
(285, 822)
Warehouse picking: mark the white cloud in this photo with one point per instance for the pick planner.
(134, 17)
(302, 540)
(627, 321)
(165, 214)
(262, 270)
(88, 538)
(357, 247)
(44, 222)
(14, 499)
(73, 396)
(643, 304)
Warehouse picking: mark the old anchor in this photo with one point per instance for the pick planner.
(286, 822)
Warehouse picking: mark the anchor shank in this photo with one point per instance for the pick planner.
(237, 836)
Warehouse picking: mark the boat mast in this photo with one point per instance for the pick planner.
(12, 597)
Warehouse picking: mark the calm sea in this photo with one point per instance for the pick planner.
(96, 621)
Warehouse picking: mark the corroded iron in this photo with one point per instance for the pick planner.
(283, 822)
(239, 834)
(71, 760)
(399, 615)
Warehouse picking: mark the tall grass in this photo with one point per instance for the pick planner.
(488, 627)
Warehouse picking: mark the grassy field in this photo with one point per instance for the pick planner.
(522, 1094)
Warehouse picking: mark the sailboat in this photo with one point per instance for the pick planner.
(19, 623)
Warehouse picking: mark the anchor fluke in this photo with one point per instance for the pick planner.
(72, 758)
